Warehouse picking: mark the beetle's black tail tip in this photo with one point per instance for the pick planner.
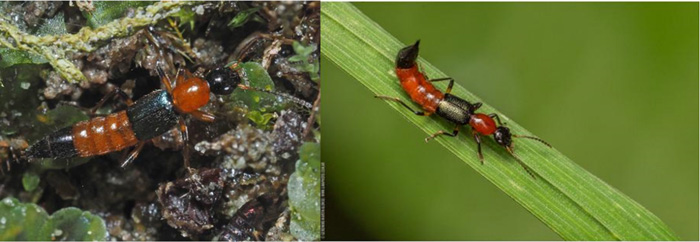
(40, 149)
(407, 56)
(56, 145)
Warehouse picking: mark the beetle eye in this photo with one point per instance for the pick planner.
(223, 80)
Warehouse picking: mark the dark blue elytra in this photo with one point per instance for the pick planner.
(152, 115)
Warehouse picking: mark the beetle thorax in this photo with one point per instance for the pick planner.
(483, 124)
(191, 95)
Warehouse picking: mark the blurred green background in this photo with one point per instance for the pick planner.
(614, 86)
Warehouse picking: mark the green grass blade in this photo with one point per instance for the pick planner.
(571, 201)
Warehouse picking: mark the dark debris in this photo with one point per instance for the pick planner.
(253, 219)
(187, 203)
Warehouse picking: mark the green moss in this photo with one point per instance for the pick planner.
(20, 221)
(302, 57)
(53, 26)
(73, 224)
(106, 12)
(53, 47)
(304, 193)
(261, 105)
(260, 119)
(27, 221)
(12, 57)
(30, 181)
(242, 17)
(186, 16)
(17, 96)
(255, 75)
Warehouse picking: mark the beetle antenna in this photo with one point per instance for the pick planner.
(294, 99)
(510, 150)
(535, 138)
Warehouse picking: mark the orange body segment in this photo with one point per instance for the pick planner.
(100, 138)
(421, 91)
(103, 135)
(191, 94)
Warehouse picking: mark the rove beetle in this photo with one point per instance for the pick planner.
(452, 108)
(148, 117)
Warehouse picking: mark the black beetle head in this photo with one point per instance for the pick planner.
(223, 80)
(502, 136)
(407, 56)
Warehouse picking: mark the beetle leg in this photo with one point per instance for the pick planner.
(493, 115)
(133, 154)
(420, 113)
(92, 111)
(203, 116)
(122, 95)
(76, 105)
(477, 138)
(180, 76)
(185, 141)
(454, 133)
(165, 79)
(449, 86)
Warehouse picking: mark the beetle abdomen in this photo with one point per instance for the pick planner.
(103, 135)
(421, 91)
